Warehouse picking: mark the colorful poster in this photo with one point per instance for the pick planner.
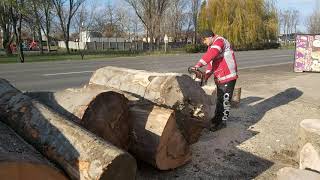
(307, 55)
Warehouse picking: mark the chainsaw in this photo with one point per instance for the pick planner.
(197, 75)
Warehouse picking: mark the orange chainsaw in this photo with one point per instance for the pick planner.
(197, 75)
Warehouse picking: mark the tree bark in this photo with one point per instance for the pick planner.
(81, 154)
(309, 158)
(6, 40)
(309, 132)
(192, 106)
(104, 113)
(19, 160)
(309, 143)
(154, 137)
(289, 173)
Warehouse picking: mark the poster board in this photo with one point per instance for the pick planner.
(307, 53)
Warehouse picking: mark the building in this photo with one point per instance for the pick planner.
(287, 37)
(92, 36)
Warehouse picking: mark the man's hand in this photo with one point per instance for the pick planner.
(192, 68)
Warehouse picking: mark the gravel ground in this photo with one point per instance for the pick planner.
(261, 136)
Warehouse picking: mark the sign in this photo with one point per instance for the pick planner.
(307, 54)
(166, 39)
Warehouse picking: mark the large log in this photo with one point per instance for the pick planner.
(152, 126)
(289, 173)
(192, 106)
(309, 141)
(104, 113)
(309, 158)
(156, 139)
(19, 160)
(81, 154)
(310, 132)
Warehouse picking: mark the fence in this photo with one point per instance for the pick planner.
(122, 46)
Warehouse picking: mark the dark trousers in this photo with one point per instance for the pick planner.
(223, 106)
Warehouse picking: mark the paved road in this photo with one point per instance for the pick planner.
(51, 76)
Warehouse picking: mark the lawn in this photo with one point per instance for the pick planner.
(36, 57)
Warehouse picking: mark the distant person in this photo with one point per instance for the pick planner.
(220, 62)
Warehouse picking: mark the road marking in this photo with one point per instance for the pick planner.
(57, 74)
(266, 65)
(282, 56)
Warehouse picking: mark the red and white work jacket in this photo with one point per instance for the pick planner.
(220, 61)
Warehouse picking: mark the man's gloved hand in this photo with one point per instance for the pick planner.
(192, 68)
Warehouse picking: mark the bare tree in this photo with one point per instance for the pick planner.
(313, 22)
(5, 24)
(46, 7)
(84, 18)
(150, 12)
(36, 19)
(176, 19)
(16, 11)
(107, 21)
(289, 20)
(195, 11)
(295, 19)
(65, 10)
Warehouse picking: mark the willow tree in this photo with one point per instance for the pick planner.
(246, 24)
(203, 22)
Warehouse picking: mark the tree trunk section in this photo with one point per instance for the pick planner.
(309, 132)
(309, 143)
(193, 108)
(80, 153)
(309, 158)
(19, 160)
(289, 173)
(156, 139)
(104, 113)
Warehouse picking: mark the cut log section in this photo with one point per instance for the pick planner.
(156, 139)
(81, 154)
(288, 173)
(152, 127)
(309, 132)
(19, 160)
(101, 111)
(309, 158)
(179, 92)
(309, 136)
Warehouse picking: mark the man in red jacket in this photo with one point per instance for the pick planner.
(220, 62)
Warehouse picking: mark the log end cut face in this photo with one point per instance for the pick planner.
(156, 139)
(107, 117)
(123, 167)
(311, 125)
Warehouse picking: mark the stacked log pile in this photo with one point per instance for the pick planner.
(87, 132)
(78, 152)
(179, 92)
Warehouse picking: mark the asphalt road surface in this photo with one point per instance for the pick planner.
(52, 76)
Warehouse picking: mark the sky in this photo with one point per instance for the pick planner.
(305, 7)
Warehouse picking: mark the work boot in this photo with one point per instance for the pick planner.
(217, 126)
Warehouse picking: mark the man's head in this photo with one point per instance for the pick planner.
(207, 37)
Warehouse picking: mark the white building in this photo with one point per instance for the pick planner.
(91, 36)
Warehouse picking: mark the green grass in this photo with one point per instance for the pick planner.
(61, 56)
(288, 46)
